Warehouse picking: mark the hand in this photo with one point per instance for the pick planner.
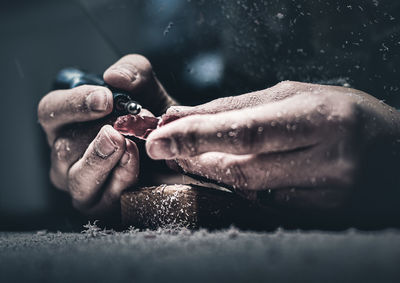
(90, 160)
(305, 143)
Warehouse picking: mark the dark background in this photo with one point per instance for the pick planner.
(199, 49)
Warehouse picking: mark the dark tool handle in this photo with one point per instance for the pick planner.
(72, 77)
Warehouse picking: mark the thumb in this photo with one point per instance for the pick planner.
(134, 73)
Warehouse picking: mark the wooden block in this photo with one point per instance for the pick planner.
(189, 206)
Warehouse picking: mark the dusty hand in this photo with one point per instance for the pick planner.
(304, 142)
(89, 159)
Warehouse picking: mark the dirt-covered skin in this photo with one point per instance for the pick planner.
(90, 160)
(307, 143)
(313, 145)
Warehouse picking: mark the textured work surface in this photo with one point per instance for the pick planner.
(226, 256)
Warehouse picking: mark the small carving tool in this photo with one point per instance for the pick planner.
(72, 77)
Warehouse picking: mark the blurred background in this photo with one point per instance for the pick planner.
(199, 49)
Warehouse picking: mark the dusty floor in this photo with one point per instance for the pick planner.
(182, 256)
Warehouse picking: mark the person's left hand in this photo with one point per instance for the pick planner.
(90, 160)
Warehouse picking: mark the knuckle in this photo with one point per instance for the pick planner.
(61, 150)
(342, 115)
(343, 107)
(349, 115)
(128, 176)
(285, 85)
(322, 107)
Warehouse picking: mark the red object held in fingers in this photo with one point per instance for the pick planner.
(141, 126)
(136, 125)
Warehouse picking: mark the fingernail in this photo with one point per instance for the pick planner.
(127, 71)
(162, 148)
(125, 158)
(97, 100)
(104, 146)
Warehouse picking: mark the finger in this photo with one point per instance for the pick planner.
(124, 175)
(280, 126)
(83, 103)
(306, 168)
(299, 180)
(88, 175)
(216, 106)
(278, 92)
(68, 147)
(245, 172)
(134, 73)
(64, 153)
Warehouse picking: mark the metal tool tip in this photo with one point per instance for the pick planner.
(133, 108)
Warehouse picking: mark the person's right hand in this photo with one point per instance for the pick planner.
(89, 159)
(308, 146)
